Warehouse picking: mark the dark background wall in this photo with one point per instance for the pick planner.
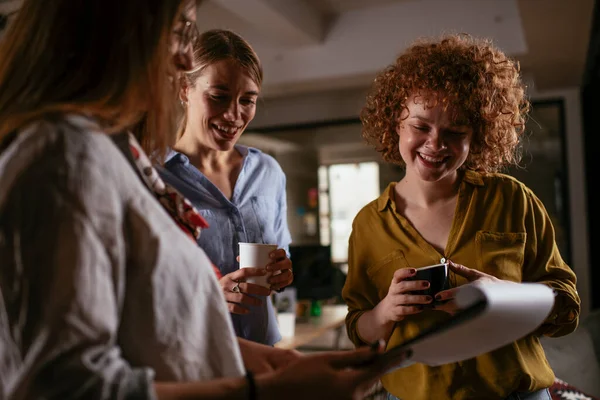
(590, 100)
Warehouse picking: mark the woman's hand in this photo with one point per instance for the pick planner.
(237, 291)
(471, 275)
(328, 375)
(260, 358)
(343, 375)
(280, 262)
(400, 302)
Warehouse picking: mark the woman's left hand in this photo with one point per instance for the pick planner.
(471, 275)
(280, 262)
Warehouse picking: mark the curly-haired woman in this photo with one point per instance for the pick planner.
(452, 113)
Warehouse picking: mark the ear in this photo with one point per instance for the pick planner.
(401, 119)
(184, 89)
(399, 124)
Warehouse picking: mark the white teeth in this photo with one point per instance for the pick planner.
(431, 159)
(228, 130)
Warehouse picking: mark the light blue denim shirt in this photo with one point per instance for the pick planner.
(256, 213)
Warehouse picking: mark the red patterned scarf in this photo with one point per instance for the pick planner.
(180, 208)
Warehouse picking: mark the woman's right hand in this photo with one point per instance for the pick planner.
(340, 375)
(399, 301)
(237, 291)
(327, 375)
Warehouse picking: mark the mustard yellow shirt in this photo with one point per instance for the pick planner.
(500, 227)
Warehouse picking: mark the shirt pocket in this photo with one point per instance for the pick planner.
(263, 228)
(501, 254)
(382, 272)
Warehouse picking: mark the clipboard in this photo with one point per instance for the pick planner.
(493, 314)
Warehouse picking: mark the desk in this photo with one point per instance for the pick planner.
(332, 317)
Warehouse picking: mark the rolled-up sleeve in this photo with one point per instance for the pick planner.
(282, 231)
(545, 265)
(358, 293)
(63, 283)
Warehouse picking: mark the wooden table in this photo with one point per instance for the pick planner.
(332, 318)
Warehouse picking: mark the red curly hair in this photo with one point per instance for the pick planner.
(469, 76)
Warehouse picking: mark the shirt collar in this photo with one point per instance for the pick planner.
(473, 177)
(177, 157)
(387, 197)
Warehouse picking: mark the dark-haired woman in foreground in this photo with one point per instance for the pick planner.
(103, 292)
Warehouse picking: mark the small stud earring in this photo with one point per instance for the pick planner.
(184, 103)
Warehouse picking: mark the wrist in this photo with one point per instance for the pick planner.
(266, 386)
(251, 386)
(380, 317)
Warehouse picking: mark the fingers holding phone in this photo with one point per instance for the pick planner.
(403, 298)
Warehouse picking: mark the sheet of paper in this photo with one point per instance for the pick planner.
(513, 310)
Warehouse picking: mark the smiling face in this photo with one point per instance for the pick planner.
(221, 104)
(431, 145)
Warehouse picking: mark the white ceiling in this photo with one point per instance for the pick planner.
(322, 45)
(340, 6)
(313, 46)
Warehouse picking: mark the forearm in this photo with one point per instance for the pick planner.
(226, 388)
(251, 350)
(266, 388)
(372, 326)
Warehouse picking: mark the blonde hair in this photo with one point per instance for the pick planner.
(105, 58)
(217, 45)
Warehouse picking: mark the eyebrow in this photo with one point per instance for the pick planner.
(183, 18)
(456, 125)
(421, 118)
(226, 89)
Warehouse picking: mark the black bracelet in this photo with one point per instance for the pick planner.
(251, 385)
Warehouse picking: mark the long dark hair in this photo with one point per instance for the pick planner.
(105, 58)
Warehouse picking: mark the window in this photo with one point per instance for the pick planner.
(343, 190)
(544, 168)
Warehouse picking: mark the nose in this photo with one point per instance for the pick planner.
(232, 113)
(436, 140)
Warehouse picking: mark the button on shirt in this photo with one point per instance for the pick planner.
(256, 213)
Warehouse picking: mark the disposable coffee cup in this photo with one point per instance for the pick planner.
(438, 277)
(256, 255)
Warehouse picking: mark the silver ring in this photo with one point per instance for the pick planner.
(236, 288)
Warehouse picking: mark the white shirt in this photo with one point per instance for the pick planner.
(101, 292)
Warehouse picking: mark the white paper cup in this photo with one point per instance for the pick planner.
(256, 255)
(287, 324)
